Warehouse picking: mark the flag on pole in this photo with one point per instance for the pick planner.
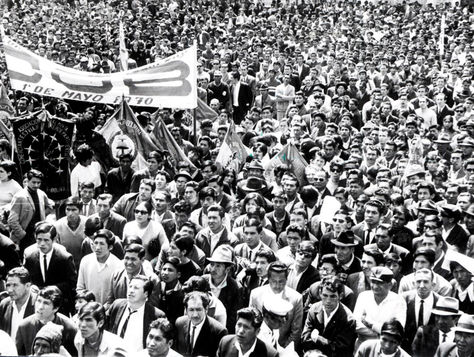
(123, 134)
(163, 138)
(233, 152)
(123, 49)
(7, 134)
(44, 143)
(289, 155)
(6, 107)
(441, 36)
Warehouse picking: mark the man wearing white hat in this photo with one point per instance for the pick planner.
(463, 345)
(275, 312)
(446, 314)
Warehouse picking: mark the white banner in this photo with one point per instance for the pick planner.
(168, 83)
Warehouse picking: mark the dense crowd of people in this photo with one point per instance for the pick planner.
(368, 252)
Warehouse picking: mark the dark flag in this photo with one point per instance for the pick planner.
(44, 143)
(165, 141)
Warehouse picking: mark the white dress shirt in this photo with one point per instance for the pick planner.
(134, 332)
(17, 316)
(48, 260)
(327, 317)
(249, 352)
(427, 307)
(197, 330)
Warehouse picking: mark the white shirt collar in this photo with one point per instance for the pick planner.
(249, 352)
(327, 317)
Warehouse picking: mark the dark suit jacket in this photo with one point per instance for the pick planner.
(207, 341)
(426, 341)
(61, 272)
(6, 311)
(245, 98)
(30, 326)
(116, 185)
(119, 287)
(125, 206)
(115, 223)
(410, 326)
(117, 310)
(8, 255)
(458, 237)
(231, 298)
(286, 222)
(227, 348)
(310, 276)
(340, 331)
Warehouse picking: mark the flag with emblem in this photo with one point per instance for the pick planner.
(289, 155)
(232, 153)
(44, 143)
(123, 134)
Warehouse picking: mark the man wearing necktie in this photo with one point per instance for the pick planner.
(429, 337)
(420, 303)
(198, 333)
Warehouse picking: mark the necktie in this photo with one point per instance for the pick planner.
(274, 342)
(260, 281)
(45, 266)
(125, 324)
(444, 337)
(368, 237)
(421, 313)
(191, 338)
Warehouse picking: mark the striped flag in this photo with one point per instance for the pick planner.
(123, 49)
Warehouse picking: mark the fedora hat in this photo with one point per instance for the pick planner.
(184, 174)
(446, 306)
(465, 324)
(254, 184)
(470, 211)
(223, 254)
(345, 239)
(443, 139)
(414, 170)
(428, 206)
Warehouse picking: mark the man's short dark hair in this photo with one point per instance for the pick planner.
(333, 284)
(105, 233)
(52, 293)
(166, 328)
(251, 314)
(136, 248)
(21, 273)
(216, 208)
(95, 310)
(377, 255)
(197, 295)
(148, 182)
(45, 227)
(73, 201)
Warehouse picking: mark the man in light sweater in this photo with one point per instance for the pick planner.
(97, 268)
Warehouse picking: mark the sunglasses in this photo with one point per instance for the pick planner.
(304, 254)
(137, 211)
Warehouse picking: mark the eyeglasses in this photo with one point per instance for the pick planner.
(137, 211)
(339, 220)
(319, 179)
(326, 270)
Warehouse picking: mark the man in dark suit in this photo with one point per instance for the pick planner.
(133, 266)
(29, 206)
(119, 179)
(420, 304)
(248, 324)
(20, 298)
(374, 211)
(464, 339)
(345, 245)
(223, 285)
(47, 304)
(301, 67)
(359, 282)
(130, 318)
(429, 337)
(110, 220)
(50, 265)
(126, 204)
(198, 334)
(458, 236)
(241, 98)
(335, 337)
(162, 213)
(302, 273)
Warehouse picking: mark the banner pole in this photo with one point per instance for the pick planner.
(195, 127)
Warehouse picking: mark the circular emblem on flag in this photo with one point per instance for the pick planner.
(122, 144)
